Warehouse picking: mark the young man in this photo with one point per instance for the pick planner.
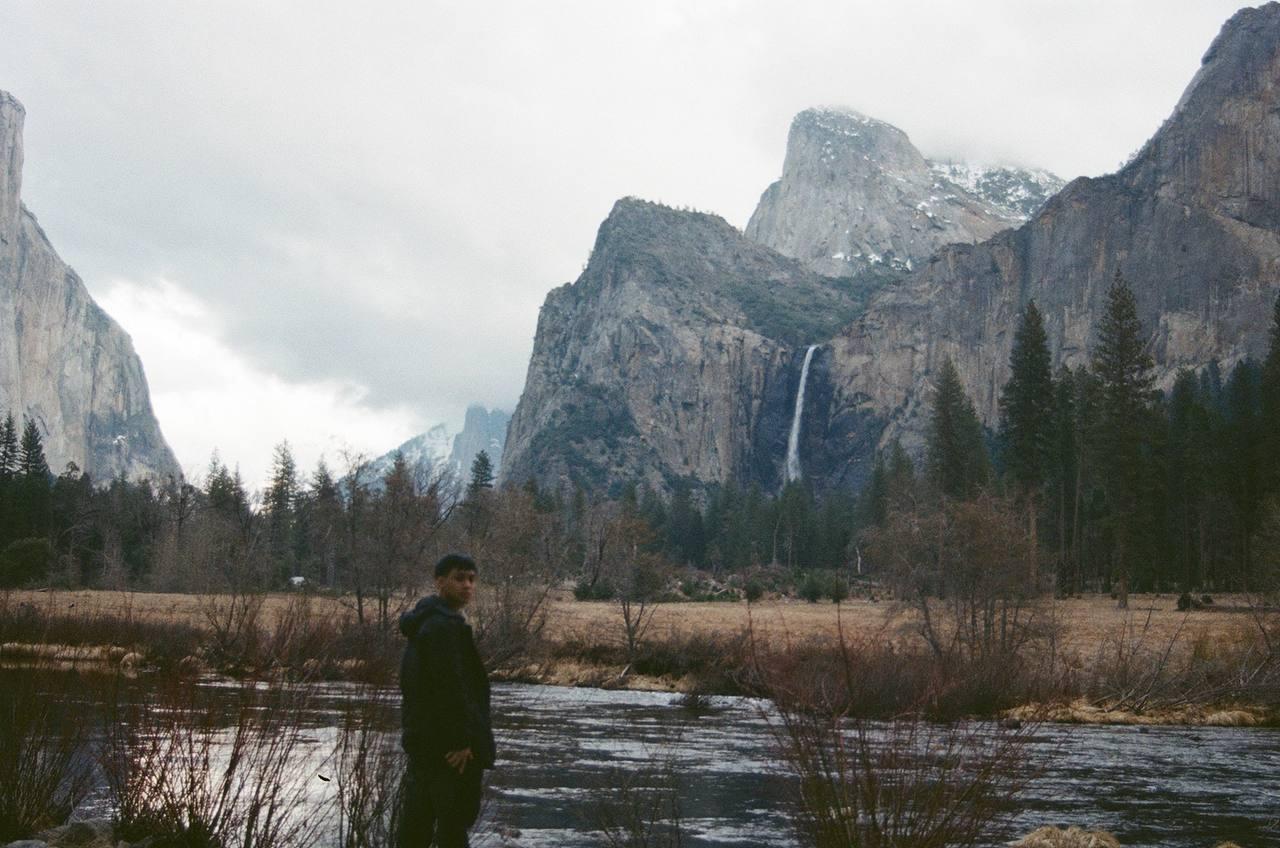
(445, 712)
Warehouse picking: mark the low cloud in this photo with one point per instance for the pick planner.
(210, 398)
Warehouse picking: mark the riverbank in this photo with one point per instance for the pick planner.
(1085, 661)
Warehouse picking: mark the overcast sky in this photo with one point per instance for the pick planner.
(335, 222)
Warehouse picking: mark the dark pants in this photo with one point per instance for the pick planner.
(438, 801)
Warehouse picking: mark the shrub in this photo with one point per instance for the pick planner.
(176, 773)
(601, 590)
(25, 561)
(753, 591)
(837, 589)
(811, 588)
(44, 768)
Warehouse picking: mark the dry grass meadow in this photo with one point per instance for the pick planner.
(1080, 626)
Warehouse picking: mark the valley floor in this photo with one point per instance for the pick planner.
(695, 646)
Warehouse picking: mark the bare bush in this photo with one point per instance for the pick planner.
(640, 810)
(44, 764)
(521, 556)
(902, 782)
(368, 767)
(175, 770)
(965, 569)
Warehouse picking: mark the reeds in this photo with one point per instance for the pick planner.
(175, 770)
(45, 763)
(368, 768)
(887, 783)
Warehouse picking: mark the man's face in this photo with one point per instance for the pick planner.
(457, 587)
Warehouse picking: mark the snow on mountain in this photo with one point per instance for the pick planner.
(426, 449)
(1017, 193)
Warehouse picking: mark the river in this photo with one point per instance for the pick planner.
(562, 749)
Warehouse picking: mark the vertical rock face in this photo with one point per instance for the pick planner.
(482, 430)
(64, 363)
(678, 351)
(672, 357)
(1192, 223)
(856, 193)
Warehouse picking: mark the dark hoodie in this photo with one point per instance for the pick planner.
(445, 687)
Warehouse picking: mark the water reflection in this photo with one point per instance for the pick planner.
(559, 748)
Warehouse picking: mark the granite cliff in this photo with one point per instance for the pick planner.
(482, 430)
(677, 353)
(64, 363)
(673, 356)
(855, 192)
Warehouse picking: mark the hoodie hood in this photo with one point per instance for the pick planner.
(411, 622)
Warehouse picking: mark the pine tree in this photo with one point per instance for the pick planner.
(1026, 418)
(31, 461)
(324, 522)
(1188, 459)
(1027, 406)
(957, 451)
(225, 491)
(1063, 475)
(481, 474)
(1123, 368)
(873, 502)
(1271, 410)
(281, 507)
(8, 448)
(1243, 448)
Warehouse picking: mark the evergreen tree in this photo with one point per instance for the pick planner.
(280, 502)
(1027, 406)
(225, 491)
(686, 538)
(481, 474)
(1123, 368)
(1027, 419)
(31, 461)
(1242, 450)
(8, 448)
(902, 475)
(1188, 457)
(1063, 477)
(873, 502)
(324, 524)
(1271, 410)
(957, 453)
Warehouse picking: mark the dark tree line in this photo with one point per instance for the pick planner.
(1121, 486)
(1117, 485)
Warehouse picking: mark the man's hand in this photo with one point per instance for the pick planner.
(458, 759)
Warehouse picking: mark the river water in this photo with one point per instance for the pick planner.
(1168, 787)
(562, 749)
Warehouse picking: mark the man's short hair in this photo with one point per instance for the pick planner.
(454, 562)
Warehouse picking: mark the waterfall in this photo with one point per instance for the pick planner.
(793, 441)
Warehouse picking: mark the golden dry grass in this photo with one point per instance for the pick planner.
(1084, 625)
(1071, 837)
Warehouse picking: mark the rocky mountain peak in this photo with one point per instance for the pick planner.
(11, 119)
(64, 363)
(856, 194)
(852, 142)
(1221, 146)
(1192, 224)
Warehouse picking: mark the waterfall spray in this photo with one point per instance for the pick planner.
(793, 441)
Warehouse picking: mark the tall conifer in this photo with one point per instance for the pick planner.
(1123, 367)
(8, 447)
(1026, 405)
(31, 460)
(1027, 418)
(957, 452)
(1271, 409)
